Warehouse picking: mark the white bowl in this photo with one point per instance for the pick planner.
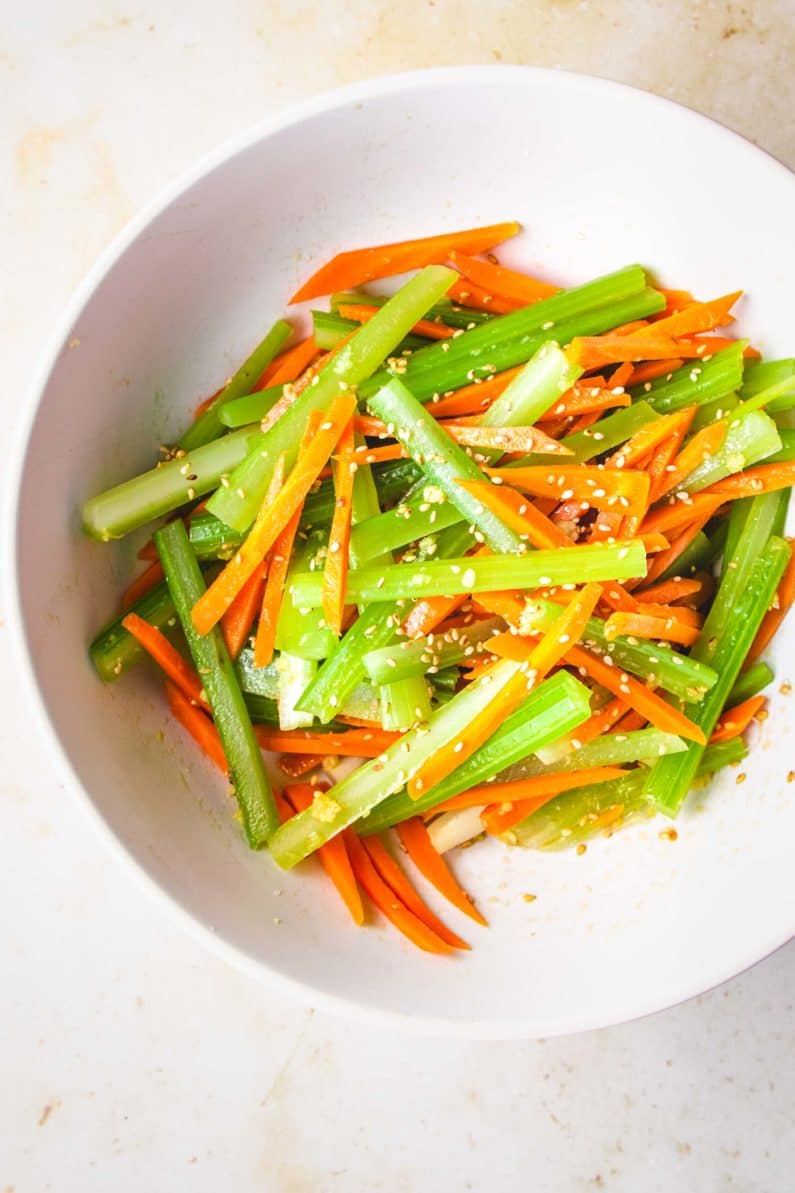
(601, 176)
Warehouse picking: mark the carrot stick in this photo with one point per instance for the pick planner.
(667, 592)
(600, 722)
(358, 266)
(142, 584)
(586, 399)
(663, 716)
(650, 437)
(652, 369)
(474, 398)
(504, 283)
(680, 513)
(198, 725)
(658, 468)
(361, 313)
(333, 855)
(181, 673)
(699, 316)
(675, 300)
(517, 513)
(737, 719)
(468, 294)
(418, 845)
(353, 743)
(765, 478)
(785, 597)
(274, 516)
(616, 597)
(289, 365)
(278, 561)
(236, 623)
(687, 616)
(593, 352)
(387, 901)
(642, 625)
(704, 444)
(395, 877)
(523, 791)
(603, 488)
(429, 613)
(335, 571)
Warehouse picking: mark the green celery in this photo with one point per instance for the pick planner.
(328, 329)
(483, 573)
(611, 749)
(750, 683)
(762, 374)
(609, 432)
(786, 453)
(356, 361)
(209, 653)
(576, 816)
(427, 656)
(696, 382)
(262, 709)
(251, 408)
(208, 425)
(114, 649)
(404, 703)
(720, 754)
(749, 438)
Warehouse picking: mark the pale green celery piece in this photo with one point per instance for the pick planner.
(404, 703)
(373, 782)
(357, 360)
(786, 453)
(398, 527)
(543, 380)
(714, 411)
(303, 631)
(427, 656)
(295, 675)
(749, 439)
(130, 505)
(610, 431)
(208, 425)
(251, 408)
(611, 749)
(578, 815)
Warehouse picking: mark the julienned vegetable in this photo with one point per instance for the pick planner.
(519, 550)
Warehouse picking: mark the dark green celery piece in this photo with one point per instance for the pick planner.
(720, 754)
(744, 596)
(760, 375)
(328, 329)
(209, 653)
(114, 649)
(262, 710)
(556, 707)
(750, 683)
(609, 431)
(210, 538)
(409, 657)
(126, 507)
(208, 425)
(696, 382)
(237, 504)
(652, 661)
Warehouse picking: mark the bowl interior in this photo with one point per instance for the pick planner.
(637, 922)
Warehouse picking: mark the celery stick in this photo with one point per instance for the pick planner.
(404, 703)
(696, 382)
(750, 683)
(427, 656)
(750, 438)
(611, 749)
(608, 432)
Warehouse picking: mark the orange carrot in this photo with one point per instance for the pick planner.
(468, 294)
(181, 673)
(616, 597)
(504, 283)
(737, 719)
(704, 444)
(650, 437)
(663, 716)
(505, 439)
(663, 561)
(699, 316)
(677, 514)
(517, 513)
(689, 617)
(394, 877)
(358, 266)
(669, 591)
(387, 901)
(586, 399)
(205, 404)
(765, 478)
(603, 488)
(274, 516)
(652, 369)
(335, 571)
(289, 365)
(658, 467)
(675, 300)
(429, 613)
(142, 584)
(361, 313)
(593, 352)
(236, 623)
(198, 725)
(474, 398)
(333, 856)
(277, 563)
(418, 845)
(642, 625)
(600, 722)
(353, 743)
(509, 800)
(785, 597)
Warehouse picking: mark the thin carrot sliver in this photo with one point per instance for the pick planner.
(236, 623)
(273, 516)
(517, 513)
(295, 766)
(680, 513)
(665, 559)
(181, 673)
(354, 268)
(765, 478)
(508, 803)
(587, 399)
(416, 841)
(289, 365)
(663, 716)
(198, 725)
(699, 316)
(333, 855)
(335, 571)
(387, 901)
(502, 282)
(362, 313)
(474, 398)
(604, 488)
(651, 369)
(142, 584)
(397, 879)
(737, 719)
(600, 722)
(669, 591)
(644, 625)
(650, 437)
(704, 444)
(429, 613)
(469, 294)
(593, 352)
(657, 468)
(785, 597)
(353, 743)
